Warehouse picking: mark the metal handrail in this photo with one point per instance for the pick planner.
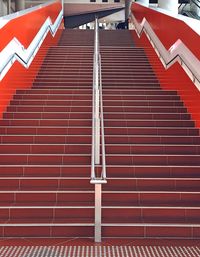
(98, 157)
(97, 116)
(103, 173)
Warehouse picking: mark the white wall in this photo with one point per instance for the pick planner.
(169, 5)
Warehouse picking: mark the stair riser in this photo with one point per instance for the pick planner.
(152, 185)
(135, 92)
(184, 140)
(61, 103)
(85, 114)
(48, 123)
(45, 131)
(66, 108)
(130, 103)
(171, 185)
(47, 231)
(140, 97)
(31, 92)
(117, 149)
(192, 160)
(148, 123)
(44, 159)
(20, 139)
(45, 184)
(138, 109)
(151, 199)
(151, 232)
(47, 198)
(151, 215)
(48, 171)
(152, 131)
(41, 215)
(64, 84)
(45, 149)
(144, 149)
(147, 116)
(153, 171)
(112, 172)
(77, 79)
(88, 122)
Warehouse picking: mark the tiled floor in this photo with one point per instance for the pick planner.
(76, 247)
(99, 251)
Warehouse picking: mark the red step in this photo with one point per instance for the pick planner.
(74, 114)
(45, 184)
(47, 198)
(63, 171)
(142, 171)
(45, 139)
(45, 159)
(45, 148)
(154, 215)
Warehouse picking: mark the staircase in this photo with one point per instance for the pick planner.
(152, 148)
(45, 148)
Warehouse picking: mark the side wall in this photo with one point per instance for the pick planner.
(169, 30)
(24, 28)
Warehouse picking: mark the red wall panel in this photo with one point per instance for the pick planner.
(169, 30)
(25, 28)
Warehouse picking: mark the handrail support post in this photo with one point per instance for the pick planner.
(98, 195)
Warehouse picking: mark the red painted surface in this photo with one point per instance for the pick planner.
(25, 28)
(169, 30)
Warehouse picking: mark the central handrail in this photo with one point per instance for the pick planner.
(103, 173)
(98, 153)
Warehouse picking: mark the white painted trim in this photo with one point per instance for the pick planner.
(178, 52)
(15, 51)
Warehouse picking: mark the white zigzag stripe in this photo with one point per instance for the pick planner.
(178, 52)
(15, 51)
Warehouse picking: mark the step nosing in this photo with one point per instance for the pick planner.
(52, 224)
(178, 192)
(152, 207)
(47, 207)
(48, 191)
(175, 225)
(62, 178)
